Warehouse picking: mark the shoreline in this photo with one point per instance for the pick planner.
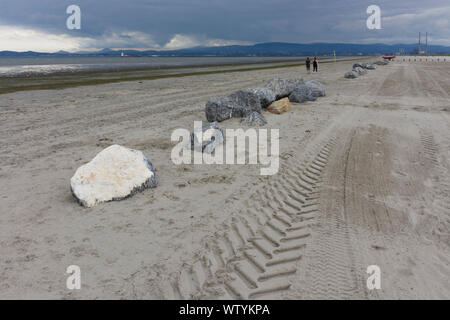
(66, 80)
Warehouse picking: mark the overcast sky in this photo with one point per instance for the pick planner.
(171, 24)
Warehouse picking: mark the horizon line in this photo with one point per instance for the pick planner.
(98, 50)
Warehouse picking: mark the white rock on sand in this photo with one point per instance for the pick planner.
(114, 174)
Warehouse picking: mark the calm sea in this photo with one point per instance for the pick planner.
(21, 66)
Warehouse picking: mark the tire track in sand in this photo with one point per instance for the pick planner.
(256, 252)
(441, 183)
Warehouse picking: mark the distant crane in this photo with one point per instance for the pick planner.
(419, 49)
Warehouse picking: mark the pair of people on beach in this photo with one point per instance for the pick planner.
(315, 64)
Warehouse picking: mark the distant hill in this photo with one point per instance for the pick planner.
(280, 49)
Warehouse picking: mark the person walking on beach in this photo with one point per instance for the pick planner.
(315, 64)
(308, 65)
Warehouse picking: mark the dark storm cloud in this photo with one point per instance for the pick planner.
(154, 23)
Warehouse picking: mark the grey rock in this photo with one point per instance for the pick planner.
(365, 65)
(351, 75)
(247, 99)
(317, 88)
(360, 71)
(278, 87)
(202, 143)
(381, 63)
(370, 66)
(220, 109)
(242, 103)
(294, 83)
(266, 96)
(254, 118)
(238, 104)
(302, 93)
(282, 87)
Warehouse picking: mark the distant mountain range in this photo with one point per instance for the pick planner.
(272, 49)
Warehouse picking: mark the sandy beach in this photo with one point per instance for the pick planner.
(371, 161)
